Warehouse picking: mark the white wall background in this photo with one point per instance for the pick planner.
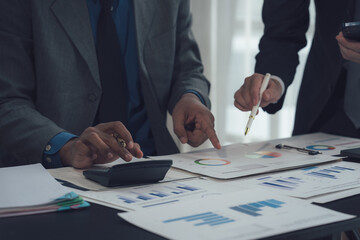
(228, 32)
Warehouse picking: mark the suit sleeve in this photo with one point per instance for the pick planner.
(24, 131)
(188, 69)
(286, 23)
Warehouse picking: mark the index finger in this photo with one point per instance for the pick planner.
(208, 129)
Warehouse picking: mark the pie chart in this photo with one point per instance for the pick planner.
(320, 147)
(212, 162)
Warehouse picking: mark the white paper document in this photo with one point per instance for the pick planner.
(28, 185)
(152, 195)
(309, 181)
(327, 144)
(249, 214)
(238, 160)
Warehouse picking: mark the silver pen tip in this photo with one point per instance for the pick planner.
(246, 131)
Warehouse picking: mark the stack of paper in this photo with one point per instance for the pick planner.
(249, 214)
(31, 189)
(307, 182)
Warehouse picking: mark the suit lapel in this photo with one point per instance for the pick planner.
(144, 13)
(74, 17)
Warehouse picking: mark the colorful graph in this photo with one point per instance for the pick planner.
(287, 183)
(212, 162)
(207, 218)
(254, 209)
(320, 147)
(154, 193)
(263, 155)
(329, 172)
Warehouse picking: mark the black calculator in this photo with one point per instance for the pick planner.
(130, 173)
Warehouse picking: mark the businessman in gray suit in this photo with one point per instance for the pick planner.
(70, 79)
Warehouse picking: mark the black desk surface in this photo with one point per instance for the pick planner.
(102, 223)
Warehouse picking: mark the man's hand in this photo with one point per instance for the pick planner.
(193, 122)
(97, 145)
(249, 93)
(350, 49)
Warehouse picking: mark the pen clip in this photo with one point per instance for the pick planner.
(304, 150)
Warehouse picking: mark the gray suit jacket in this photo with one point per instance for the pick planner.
(49, 79)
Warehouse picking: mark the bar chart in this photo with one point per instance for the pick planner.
(156, 192)
(207, 218)
(287, 183)
(331, 172)
(254, 209)
(310, 181)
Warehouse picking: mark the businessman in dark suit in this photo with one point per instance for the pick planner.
(325, 85)
(73, 73)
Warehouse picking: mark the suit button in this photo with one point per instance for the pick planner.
(48, 148)
(92, 97)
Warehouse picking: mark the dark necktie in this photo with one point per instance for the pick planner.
(113, 104)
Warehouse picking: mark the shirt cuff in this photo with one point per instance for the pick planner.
(51, 156)
(276, 78)
(197, 94)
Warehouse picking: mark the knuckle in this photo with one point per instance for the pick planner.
(93, 134)
(118, 123)
(107, 149)
(247, 80)
(89, 129)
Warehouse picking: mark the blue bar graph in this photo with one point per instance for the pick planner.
(207, 218)
(323, 175)
(330, 172)
(254, 209)
(127, 200)
(295, 179)
(143, 197)
(288, 183)
(343, 168)
(188, 188)
(158, 194)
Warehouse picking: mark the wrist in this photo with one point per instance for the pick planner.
(279, 82)
(196, 94)
(65, 153)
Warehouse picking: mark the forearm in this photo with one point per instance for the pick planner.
(188, 69)
(286, 23)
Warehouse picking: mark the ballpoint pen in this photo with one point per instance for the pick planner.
(256, 107)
